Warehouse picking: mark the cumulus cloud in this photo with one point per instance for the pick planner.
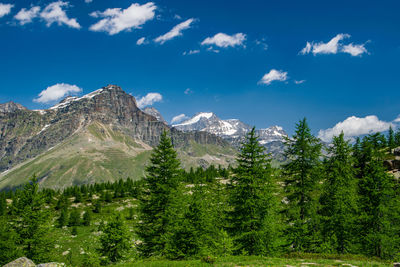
(25, 16)
(191, 52)
(179, 118)
(334, 46)
(148, 99)
(56, 92)
(354, 126)
(397, 119)
(225, 40)
(355, 50)
(274, 75)
(55, 13)
(141, 41)
(174, 32)
(5, 9)
(116, 20)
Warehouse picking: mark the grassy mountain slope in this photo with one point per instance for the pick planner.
(101, 153)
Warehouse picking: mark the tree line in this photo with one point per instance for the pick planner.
(335, 199)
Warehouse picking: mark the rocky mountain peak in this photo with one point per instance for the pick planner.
(155, 113)
(11, 107)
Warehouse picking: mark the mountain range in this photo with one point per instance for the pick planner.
(104, 136)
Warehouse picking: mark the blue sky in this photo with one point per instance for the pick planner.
(246, 57)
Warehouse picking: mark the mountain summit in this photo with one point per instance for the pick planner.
(101, 136)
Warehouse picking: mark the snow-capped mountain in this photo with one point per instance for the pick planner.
(155, 113)
(209, 122)
(232, 130)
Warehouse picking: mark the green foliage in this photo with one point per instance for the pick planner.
(9, 249)
(302, 176)
(97, 207)
(63, 219)
(253, 219)
(339, 198)
(379, 204)
(87, 217)
(74, 230)
(74, 218)
(3, 204)
(162, 180)
(32, 223)
(115, 239)
(391, 138)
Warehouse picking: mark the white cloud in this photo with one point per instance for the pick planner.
(354, 126)
(56, 92)
(355, 50)
(224, 40)
(397, 119)
(334, 46)
(88, 1)
(274, 75)
(141, 41)
(179, 118)
(174, 32)
(262, 44)
(330, 47)
(176, 16)
(148, 99)
(299, 81)
(188, 91)
(25, 16)
(116, 20)
(191, 52)
(54, 13)
(5, 9)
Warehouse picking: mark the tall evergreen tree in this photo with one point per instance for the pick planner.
(63, 219)
(338, 199)
(379, 204)
(87, 217)
(397, 138)
(3, 204)
(253, 219)
(74, 218)
(33, 223)
(302, 175)
(161, 182)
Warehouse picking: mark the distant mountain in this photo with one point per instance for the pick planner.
(234, 131)
(11, 107)
(101, 136)
(155, 113)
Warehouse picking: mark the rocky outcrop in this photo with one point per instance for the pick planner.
(11, 107)
(25, 262)
(155, 113)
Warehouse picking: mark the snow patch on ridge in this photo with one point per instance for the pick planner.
(196, 118)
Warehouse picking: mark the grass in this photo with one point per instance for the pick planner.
(258, 261)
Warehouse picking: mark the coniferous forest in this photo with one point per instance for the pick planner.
(328, 201)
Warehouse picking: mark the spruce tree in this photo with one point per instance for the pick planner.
(74, 218)
(3, 204)
(397, 138)
(338, 200)
(161, 182)
(253, 219)
(302, 176)
(115, 239)
(33, 223)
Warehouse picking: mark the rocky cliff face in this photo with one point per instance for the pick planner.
(155, 113)
(24, 134)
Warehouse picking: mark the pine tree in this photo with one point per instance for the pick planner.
(63, 219)
(97, 207)
(33, 223)
(397, 138)
(302, 175)
(3, 204)
(391, 140)
(115, 239)
(338, 200)
(161, 182)
(379, 204)
(254, 207)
